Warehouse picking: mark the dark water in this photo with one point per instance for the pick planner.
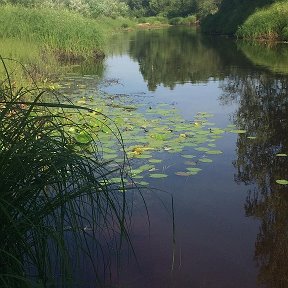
(231, 220)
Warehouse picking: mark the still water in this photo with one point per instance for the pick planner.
(231, 219)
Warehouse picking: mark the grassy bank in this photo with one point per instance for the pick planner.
(231, 15)
(64, 32)
(269, 23)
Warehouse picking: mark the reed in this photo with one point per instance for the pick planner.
(56, 196)
(60, 30)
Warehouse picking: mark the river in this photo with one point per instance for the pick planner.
(225, 224)
(231, 218)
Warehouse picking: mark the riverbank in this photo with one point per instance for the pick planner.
(250, 20)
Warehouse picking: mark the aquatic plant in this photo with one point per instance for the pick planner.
(59, 204)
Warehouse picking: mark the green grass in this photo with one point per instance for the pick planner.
(53, 184)
(269, 23)
(62, 31)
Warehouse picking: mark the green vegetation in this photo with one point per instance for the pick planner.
(231, 15)
(270, 23)
(64, 32)
(272, 57)
(57, 193)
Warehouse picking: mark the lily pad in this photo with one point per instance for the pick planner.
(214, 152)
(282, 182)
(184, 174)
(205, 160)
(159, 175)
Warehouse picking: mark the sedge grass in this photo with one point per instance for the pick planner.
(59, 30)
(51, 190)
(269, 23)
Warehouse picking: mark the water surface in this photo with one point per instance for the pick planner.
(231, 218)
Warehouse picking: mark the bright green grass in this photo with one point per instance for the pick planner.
(269, 23)
(59, 30)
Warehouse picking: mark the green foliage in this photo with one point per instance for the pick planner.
(268, 23)
(57, 195)
(92, 8)
(190, 20)
(53, 29)
(231, 15)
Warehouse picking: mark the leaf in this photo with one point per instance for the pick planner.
(185, 174)
(188, 156)
(155, 161)
(159, 175)
(214, 152)
(205, 160)
(194, 169)
(281, 155)
(83, 137)
(282, 182)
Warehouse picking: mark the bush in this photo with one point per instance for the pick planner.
(268, 23)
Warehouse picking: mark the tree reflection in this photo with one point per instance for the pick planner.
(171, 57)
(263, 112)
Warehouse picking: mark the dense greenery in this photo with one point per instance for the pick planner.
(173, 8)
(56, 30)
(57, 198)
(92, 8)
(231, 14)
(269, 23)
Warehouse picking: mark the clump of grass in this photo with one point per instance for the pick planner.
(55, 192)
(270, 23)
(61, 30)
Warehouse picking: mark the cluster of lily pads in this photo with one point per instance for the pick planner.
(144, 134)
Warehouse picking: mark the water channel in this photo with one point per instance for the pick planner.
(231, 218)
(227, 226)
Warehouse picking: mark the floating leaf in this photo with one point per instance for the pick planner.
(281, 155)
(188, 156)
(83, 137)
(282, 182)
(214, 152)
(142, 183)
(155, 161)
(159, 175)
(185, 174)
(205, 160)
(194, 170)
(203, 149)
(252, 137)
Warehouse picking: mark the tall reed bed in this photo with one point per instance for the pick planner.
(63, 31)
(269, 23)
(56, 197)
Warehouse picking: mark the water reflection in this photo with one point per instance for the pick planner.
(252, 76)
(263, 112)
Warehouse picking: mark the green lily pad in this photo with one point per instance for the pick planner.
(282, 182)
(214, 152)
(155, 161)
(188, 156)
(205, 160)
(159, 175)
(83, 137)
(184, 174)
